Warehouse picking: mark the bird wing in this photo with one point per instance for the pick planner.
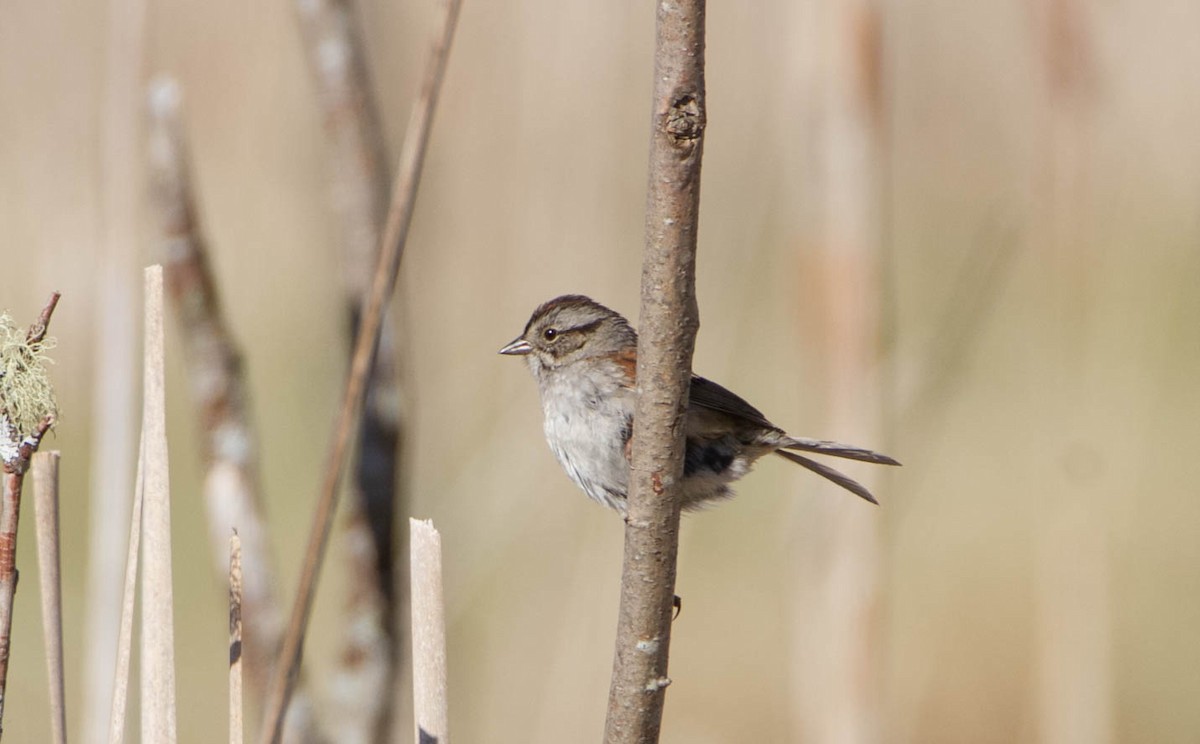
(711, 396)
(708, 394)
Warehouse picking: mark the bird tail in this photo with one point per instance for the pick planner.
(837, 449)
(834, 449)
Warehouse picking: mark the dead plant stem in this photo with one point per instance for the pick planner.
(404, 193)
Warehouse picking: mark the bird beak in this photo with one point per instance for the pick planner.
(517, 347)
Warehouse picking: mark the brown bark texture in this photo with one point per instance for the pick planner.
(668, 325)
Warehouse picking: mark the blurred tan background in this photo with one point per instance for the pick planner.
(1038, 552)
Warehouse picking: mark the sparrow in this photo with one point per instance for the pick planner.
(584, 358)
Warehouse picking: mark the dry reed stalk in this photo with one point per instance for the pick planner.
(370, 653)
(229, 444)
(45, 500)
(337, 59)
(1073, 622)
(1073, 607)
(235, 640)
(114, 393)
(668, 324)
(395, 236)
(27, 411)
(158, 620)
(431, 718)
(836, 663)
(120, 680)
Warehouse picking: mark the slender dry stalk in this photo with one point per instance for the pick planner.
(120, 680)
(404, 193)
(431, 717)
(668, 324)
(235, 640)
(229, 444)
(158, 618)
(338, 62)
(370, 654)
(1073, 607)
(114, 393)
(26, 405)
(45, 500)
(837, 665)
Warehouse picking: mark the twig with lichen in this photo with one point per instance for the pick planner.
(27, 411)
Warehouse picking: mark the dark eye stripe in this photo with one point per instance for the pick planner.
(585, 327)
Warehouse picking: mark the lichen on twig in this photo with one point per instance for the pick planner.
(25, 389)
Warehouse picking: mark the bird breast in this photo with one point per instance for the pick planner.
(586, 420)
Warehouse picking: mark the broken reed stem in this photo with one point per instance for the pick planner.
(430, 708)
(668, 324)
(220, 393)
(45, 500)
(404, 193)
(120, 686)
(158, 622)
(370, 655)
(235, 639)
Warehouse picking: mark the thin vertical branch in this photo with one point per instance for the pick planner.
(359, 184)
(120, 680)
(430, 701)
(229, 443)
(45, 501)
(114, 403)
(235, 639)
(404, 193)
(668, 324)
(158, 618)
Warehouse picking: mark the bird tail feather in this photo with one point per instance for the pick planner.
(829, 473)
(837, 449)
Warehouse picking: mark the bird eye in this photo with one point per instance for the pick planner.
(550, 334)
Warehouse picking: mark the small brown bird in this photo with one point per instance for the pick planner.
(584, 358)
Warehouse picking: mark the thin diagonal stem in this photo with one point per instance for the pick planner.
(395, 236)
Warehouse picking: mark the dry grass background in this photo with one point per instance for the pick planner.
(1069, 418)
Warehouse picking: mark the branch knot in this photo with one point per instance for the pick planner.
(685, 119)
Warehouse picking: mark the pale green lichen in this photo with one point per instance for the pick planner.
(26, 395)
